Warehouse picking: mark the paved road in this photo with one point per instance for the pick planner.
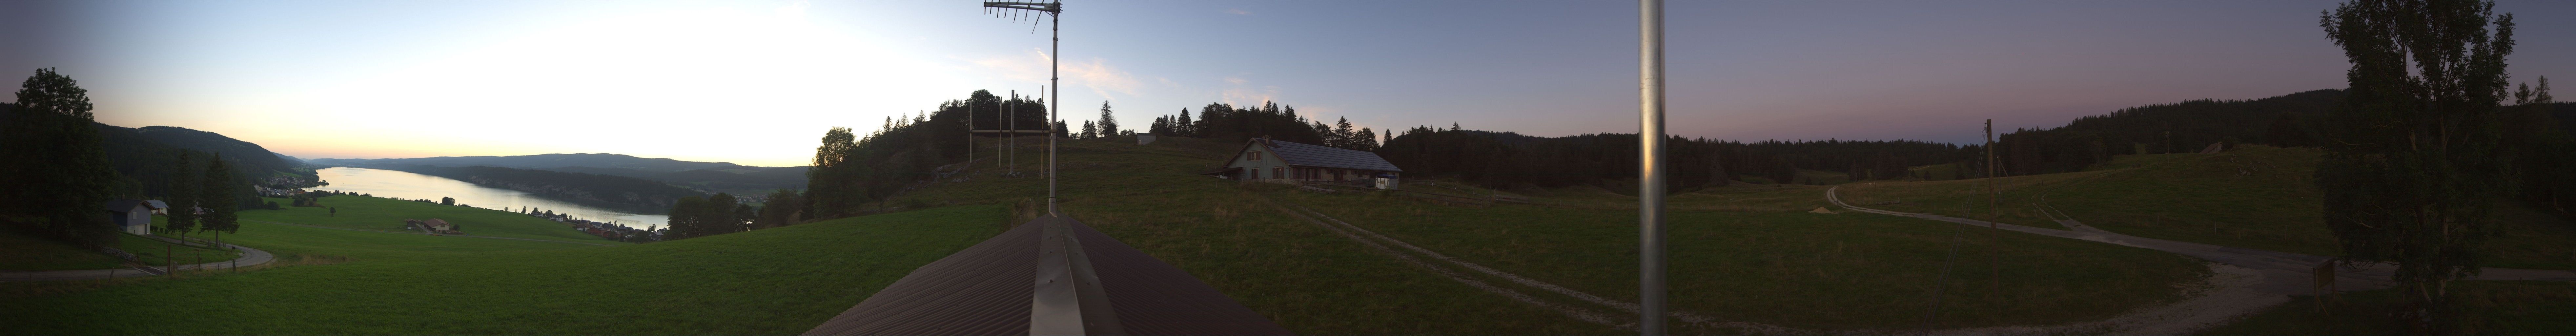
(249, 257)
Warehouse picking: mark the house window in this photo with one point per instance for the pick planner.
(1278, 172)
(1256, 156)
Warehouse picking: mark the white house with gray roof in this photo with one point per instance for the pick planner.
(1290, 162)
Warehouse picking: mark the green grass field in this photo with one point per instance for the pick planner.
(2482, 307)
(385, 214)
(25, 253)
(1738, 249)
(1845, 271)
(775, 281)
(2253, 196)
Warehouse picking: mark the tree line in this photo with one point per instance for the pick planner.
(1513, 160)
(59, 171)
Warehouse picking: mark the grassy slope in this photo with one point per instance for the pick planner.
(385, 214)
(2485, 308)
(1845, 270)
(2253, 196)
(1738, 250)
(27, 253)
(1302, 277)
(776, 281)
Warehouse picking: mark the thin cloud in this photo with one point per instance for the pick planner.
(1095, 74)
(1237, 12)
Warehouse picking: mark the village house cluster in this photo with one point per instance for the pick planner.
(612, 231)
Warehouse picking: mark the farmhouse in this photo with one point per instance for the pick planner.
(132, 216)
(1290, 162)
(432, 225)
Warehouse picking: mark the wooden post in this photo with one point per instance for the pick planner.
(2322, 285)
(170, 256)
(1994, 243)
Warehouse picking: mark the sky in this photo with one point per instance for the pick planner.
(757, 83)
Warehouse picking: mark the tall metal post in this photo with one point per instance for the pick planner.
(1055, 55)
(1010, 147)
(1650, 168)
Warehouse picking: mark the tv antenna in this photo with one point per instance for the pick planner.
(1032, 11)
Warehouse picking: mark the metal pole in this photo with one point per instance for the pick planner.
(1056, 45)
(1010, 147)
(1650, 168)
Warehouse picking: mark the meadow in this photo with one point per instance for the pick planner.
(2482, 308)
(27, 253)
(332, 281)
(1738, 251)
(2252, 196)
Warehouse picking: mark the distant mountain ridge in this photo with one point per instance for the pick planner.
(549, 161)
(708, 176)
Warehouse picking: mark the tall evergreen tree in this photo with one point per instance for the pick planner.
(1108, 123)
(1089, 130)
(215, 192)
(183, 196)
(2414, 164)
(56, 169)
(1341, 136)
(1183, 127)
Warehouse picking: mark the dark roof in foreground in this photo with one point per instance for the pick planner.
(987, 289)
(1299, 154)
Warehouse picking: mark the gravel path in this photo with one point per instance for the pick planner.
(249, 257)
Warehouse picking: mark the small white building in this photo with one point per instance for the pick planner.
(132, 216)
(1144, 138)
(1290, 162)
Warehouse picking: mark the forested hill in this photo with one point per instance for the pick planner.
(710, 176)
(1506, 159)
(549, 161)
(251, 159)
(2183, 127)
(642, 194)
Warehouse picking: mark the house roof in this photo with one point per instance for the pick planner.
(988, 289)
(435, 221)
(1299, 154)
(157, 204)
(125, 205)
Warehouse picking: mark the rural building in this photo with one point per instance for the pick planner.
(1289, 162)
(1144, 138)
(132, 216)
(432, 225)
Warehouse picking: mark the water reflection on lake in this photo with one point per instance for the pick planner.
(407, 185)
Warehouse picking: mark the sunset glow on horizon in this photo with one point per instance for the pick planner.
(757, 83)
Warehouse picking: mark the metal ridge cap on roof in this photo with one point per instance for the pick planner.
(987, 289)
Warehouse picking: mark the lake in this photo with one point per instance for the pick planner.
(407, 185)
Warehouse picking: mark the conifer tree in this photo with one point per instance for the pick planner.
(183, 196)
(215, 192)
(1108, 123)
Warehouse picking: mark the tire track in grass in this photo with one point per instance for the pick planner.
(1692, 319)
(1577, 313)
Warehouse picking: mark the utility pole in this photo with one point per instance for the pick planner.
(1011, 147)
(1650, 151)
(1994, 243)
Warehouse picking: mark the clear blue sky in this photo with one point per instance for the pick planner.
(757, 82)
